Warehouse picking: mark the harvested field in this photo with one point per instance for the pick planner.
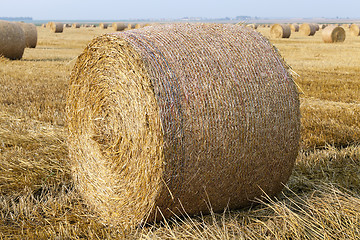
(321, 200)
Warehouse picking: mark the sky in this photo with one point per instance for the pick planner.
(174, 9)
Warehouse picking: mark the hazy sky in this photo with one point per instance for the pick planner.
(136, 9)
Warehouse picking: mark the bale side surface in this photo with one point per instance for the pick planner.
(333, 34)
(307, 29)
(30, 34)
(355, 29)
(57, 27)
(280, 31)
(12, 40)
(171, 117)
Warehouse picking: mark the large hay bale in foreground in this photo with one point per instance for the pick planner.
(355, 29)
(30, 34)
(56, 27)
(294, 27)
(280, 31)
(171, 117)
(333, 34)
(117, 26)
(307, 29)
(12, 40)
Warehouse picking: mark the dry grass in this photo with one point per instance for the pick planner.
(38, 201)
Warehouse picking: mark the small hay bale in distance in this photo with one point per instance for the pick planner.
(280, 31)
(174, 117)
(12, 40)
(75, 25)
(253, 26)
(31, 35)
(56, 27)
(103, 25)
(307, 29)
(355, 29)
(294, 27)
(333, 34)
(118, 26)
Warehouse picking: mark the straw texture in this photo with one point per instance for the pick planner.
(333, 34)
(118, 26)
(12, 40)
(30, 34)
(56, 27)
(307, 29)
(355, 29)
(171, 117)
(280, 31)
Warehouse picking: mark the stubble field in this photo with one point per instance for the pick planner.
(321, 200)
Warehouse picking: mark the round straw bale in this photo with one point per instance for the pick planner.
(280, 31)
(117, 26)
(307, 29)
(12, 40)
(30, 34)
(48, 24)
(332, 34)
(171, 118)
(137, 26)
(75, 25)
(43, 25)
(317, 27)
(355, 29)
(103, 25)
(57, 27)
(294, 27)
